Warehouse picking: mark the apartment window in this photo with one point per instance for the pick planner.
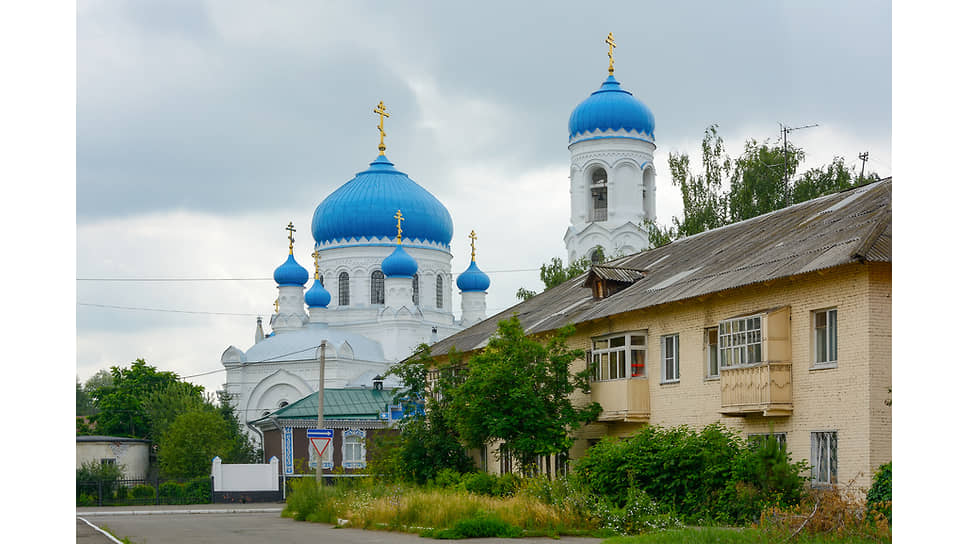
(440, 291)
(760, 439)
(344, 289)
(740, 341)
(108, 461)
(670, 358)
(416, 290)
(619, 357)
(823, 457)
(354, 448)
(712, 352)
(825, 337)
(377, 291)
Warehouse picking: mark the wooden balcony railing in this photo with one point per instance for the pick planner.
(622, 400)
(765, 388)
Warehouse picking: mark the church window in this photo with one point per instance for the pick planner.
(598, 255)
(377, 292)
(599, 211)
(354, 448)
(416, 290)
(344, 289)
(283, 403)
(440, 291)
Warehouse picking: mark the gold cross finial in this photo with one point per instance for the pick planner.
(473, 238)
(381, 110)
(316, 262)
(276, 305)
(610, 41)
(291, 230)
(399, 218)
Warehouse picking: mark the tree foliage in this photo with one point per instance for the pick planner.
(163, 405)
(517, 391)
(191, 442)
(119, 404)
(702, 199)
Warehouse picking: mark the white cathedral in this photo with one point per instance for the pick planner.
(382, 245)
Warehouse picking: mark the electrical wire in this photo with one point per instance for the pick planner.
(112, 307)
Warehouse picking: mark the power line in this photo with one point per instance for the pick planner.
(112, 307)
(190, 279)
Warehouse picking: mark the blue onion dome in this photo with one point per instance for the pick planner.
(399, 264)
(611, 108)
(361, 208)
(290, 273)
(473, 279)
(317, 296)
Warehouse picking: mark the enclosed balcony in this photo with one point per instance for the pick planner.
(764, 388)
(622, 400)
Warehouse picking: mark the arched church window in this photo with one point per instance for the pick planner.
(344, 289)
(598, 256)
(416, 290)
(440, 291)
(599, 194)
(283, 403)
(377, 292)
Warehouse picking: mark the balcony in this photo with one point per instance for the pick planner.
(622, 400)
(763, 388)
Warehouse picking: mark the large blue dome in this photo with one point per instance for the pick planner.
(363, 208)
(290, 273)
(473, 279)
(611, 108)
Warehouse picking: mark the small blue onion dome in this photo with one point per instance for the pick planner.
(611, 108)
(362, 207)
(290, 273)
(473, 279)
(399, 264)
(317, 296)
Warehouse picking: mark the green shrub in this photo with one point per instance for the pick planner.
(447, 478)
(143, 492)
(85, 499)
(310, 502)
(506, 485)
(763, 475)
(481, 525)
(639, 514)
(199, 490)
(481, 483)
(172, 492)
(879, 495)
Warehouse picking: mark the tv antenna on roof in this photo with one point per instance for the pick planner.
(786, 130)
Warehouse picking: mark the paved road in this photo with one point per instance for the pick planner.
(243, 524)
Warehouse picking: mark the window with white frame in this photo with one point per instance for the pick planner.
(377, 291)
(440, 291)
(712, 352)
(670, 358)
(823, 457)
(344, 289)
(619, 357)
(354, 448)
(740, 341)
(825, 337)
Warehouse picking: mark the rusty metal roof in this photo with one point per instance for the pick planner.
(846, 227)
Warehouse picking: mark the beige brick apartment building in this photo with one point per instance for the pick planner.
(782, 321)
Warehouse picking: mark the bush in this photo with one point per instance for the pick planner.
(172, 492)
(447, 478)
(480, 526)
(481, 483)
(879, 495)
(826, 511)
(143, 492)
(85, 499)
(199, 490)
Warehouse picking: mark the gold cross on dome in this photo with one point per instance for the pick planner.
(610, 41)
(291, 230)
(276, 305)
(315, 255)
(399, 218)
(381, 110)
(473, 238)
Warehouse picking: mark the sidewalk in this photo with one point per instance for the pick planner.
(219, 508)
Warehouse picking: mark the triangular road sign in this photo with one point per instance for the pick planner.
(320, 444)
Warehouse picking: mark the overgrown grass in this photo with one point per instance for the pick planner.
(718, 535)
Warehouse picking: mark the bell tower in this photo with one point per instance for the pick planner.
(612, 143)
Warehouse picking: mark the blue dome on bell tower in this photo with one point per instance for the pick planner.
(611, 108)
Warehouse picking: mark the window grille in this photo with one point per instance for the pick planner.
(344, 289)
(416, 290)
(440, 291)
(377, 291)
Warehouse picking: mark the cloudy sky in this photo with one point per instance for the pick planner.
(203, 128)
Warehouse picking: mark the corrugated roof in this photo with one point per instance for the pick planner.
(833, 230)
(614, 273)
(338, 404)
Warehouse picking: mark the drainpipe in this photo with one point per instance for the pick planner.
(276, 423)
(262, 438)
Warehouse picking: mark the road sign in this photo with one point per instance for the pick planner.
(320, 439)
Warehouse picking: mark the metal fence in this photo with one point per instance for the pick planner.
(141, 492)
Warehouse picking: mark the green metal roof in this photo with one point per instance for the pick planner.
(360, 404)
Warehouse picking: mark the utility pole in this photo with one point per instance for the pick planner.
(319, 411)
(863, 157)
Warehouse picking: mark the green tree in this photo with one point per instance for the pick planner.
(759, 181)
(518, 391)
(85, 406)
(163, 405)
(120, 405)
(191, 442)
(428, 442)
(703, 204)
